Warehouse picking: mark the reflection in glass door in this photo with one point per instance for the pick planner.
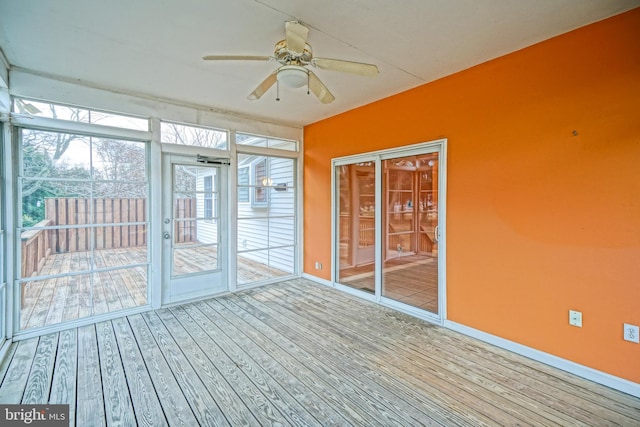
(410, 210)
(356, 186)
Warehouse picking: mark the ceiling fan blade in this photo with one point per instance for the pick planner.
(359, 68)
(235, 58)
(263, 87)
(296, 36)
(319, 89)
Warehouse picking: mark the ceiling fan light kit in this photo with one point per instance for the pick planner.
(295, 54)
(293, 76)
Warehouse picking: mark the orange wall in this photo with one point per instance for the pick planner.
(539, 221)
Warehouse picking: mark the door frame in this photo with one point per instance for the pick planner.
(439, 146)
(174, 154)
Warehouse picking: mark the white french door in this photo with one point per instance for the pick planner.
(194, 227)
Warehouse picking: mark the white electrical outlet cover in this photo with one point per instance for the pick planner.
(575, 318)
(631, 333)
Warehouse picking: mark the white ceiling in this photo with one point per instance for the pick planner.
(154, 48)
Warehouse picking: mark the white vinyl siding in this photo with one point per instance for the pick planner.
(207, 221)
(266, 233)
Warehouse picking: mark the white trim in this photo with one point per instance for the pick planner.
(356, 292)
(378, 231)
(411, 310)
(232, 213)
(77, 323)
(4, 70)
(389, 153)
(192, 150)
(264, 151)
(47, 87)
(57, 125)
(442, 226)
(591, 374)
(299, 209)
(10, 158)
(317, 280)
(4, 350)
(154, 211)
(5, 104)
(436, 146)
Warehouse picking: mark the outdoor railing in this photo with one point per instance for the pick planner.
(39, 244)
(36, 247)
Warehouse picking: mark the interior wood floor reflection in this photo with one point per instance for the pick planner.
(295, 353)
(409, 279)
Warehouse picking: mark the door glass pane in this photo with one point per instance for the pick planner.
(188, 259)
(410, 209)
(356, 233)
(195, 221)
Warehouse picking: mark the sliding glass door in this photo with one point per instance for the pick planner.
(388, 227)
(356, 232)
(410, 212)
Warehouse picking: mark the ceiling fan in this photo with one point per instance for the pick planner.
(294, 55)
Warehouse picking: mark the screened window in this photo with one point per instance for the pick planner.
(82, 223)
(78, 114)
(261, 141)
(266, 233)
(197, 136)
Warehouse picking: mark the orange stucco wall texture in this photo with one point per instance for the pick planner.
(539, 220)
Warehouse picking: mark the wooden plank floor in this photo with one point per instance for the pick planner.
(54, 300)
(295, 353)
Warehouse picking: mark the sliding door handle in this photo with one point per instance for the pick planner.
(436, 233)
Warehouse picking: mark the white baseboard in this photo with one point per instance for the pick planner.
(591, 374)
(324, 282)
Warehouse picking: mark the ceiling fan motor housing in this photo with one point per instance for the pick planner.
(285, 56)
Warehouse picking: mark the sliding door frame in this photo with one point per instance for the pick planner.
(437, 146)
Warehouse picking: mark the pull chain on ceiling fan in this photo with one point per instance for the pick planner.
(294, 55)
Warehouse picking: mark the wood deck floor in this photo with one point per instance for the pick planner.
(58, 299)
(295, 353)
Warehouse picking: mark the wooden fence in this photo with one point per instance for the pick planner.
(77, 211)
(185, 231)
(37, 245)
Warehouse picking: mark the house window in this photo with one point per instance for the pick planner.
(208, 198)
(243, 184)
(261, 189)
